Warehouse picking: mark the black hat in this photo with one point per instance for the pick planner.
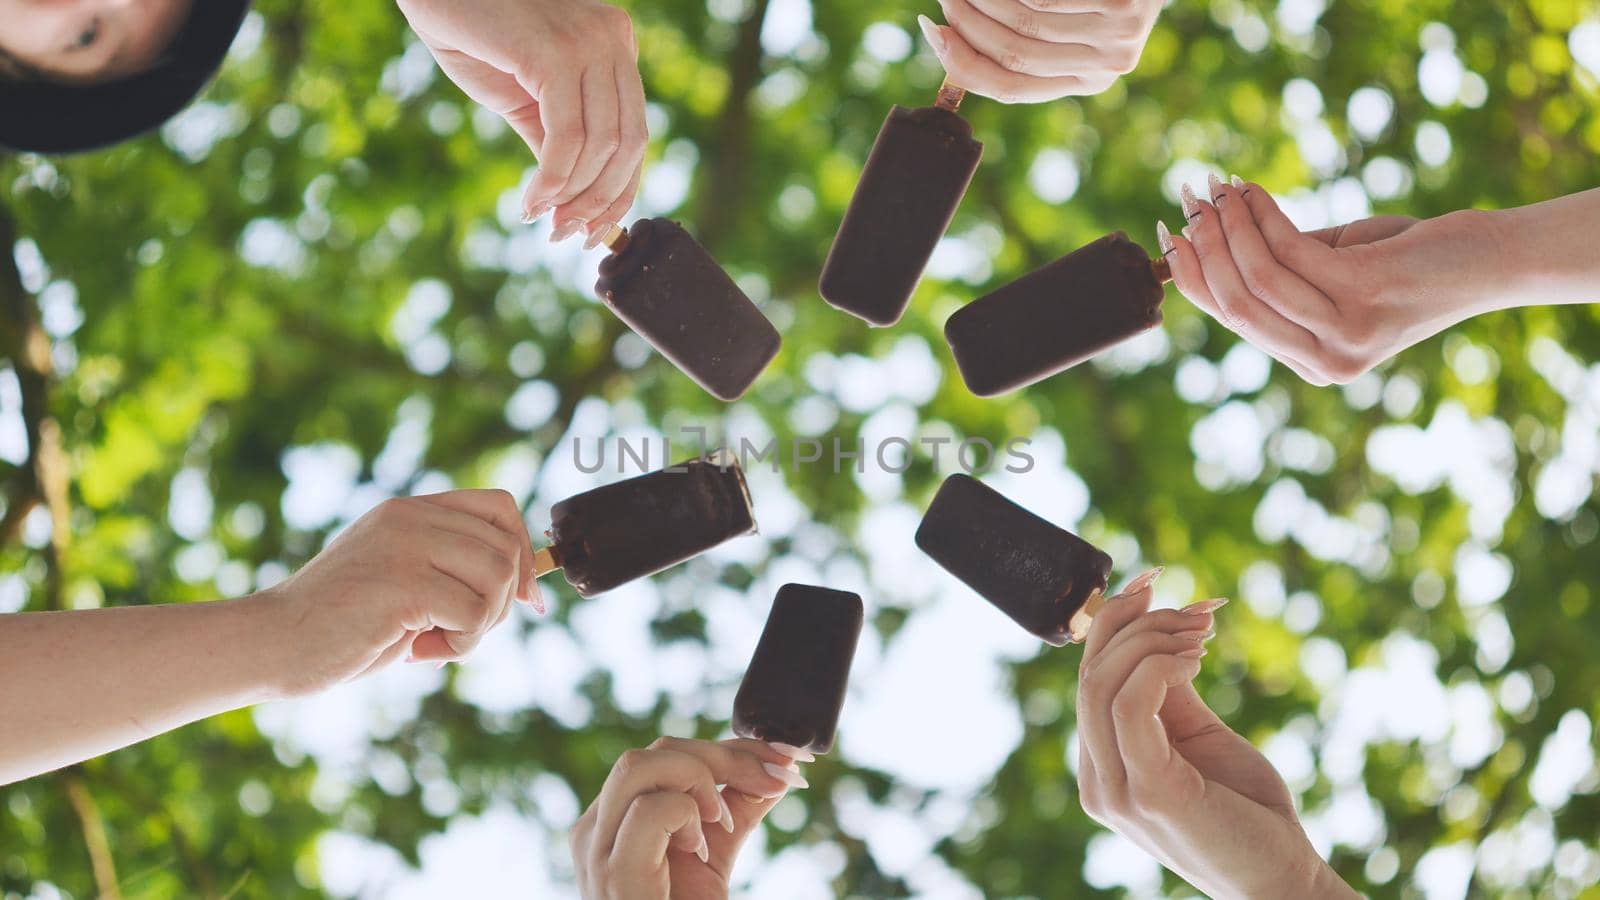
(53, 117)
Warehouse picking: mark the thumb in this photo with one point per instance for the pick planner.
(748, 811)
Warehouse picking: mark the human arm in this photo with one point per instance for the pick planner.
(1335, 302)
(1157, 766)
(422, 577)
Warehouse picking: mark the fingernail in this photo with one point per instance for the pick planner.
(533, 214)
(727, 814)
(1205, 606)
(793, 752)
(752, 798)
(702, 851)
(1191, 204)
(597, 233)
(1164, 238)
(932, 33)
(1196, 653)
(787, 776)
(440, 664)
(1236, 181)
(1188, 233)
(1202, 634)
(1215, 186)
(565, 230)
(1144, 581)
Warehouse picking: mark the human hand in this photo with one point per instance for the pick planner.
(1029, 51)
(644, 837)
(1157, 766)
(564, 75)
(418, 577)
(1331, 304)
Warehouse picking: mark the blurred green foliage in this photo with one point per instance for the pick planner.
(191, 356)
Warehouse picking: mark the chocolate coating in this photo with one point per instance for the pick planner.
(794, 688)
(1055, 316)
(637, 527)
(1031, 570)
(666, 287)
(913, 181)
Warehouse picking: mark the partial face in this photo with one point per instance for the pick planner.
(89, 40)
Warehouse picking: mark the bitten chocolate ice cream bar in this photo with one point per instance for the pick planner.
(1047, 579)
(1057, 316)
(606, 537)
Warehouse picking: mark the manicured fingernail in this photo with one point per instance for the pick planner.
(565, 230)
(1144, 581)
(727, 814)
(752, 798)
(1164, 238)
(1187, 232)
(787, 776)
(1191, 204)
(793, 752)
(1215, 186)
(534, 213)
(703, 851)
(1206, 606)
(597, 233)
(1196, 653)
(440, 664)
(932, 33)
(1236, 181)
(1203, 634)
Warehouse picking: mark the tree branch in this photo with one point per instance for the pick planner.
(94, 834)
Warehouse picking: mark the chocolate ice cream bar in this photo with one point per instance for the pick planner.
(1057, 316)
(637, 527)
(1047, 579)
(915, 176)
(794, 688)
(665, 286)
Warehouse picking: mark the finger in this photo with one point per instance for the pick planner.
(1016, 52)
(981, 75)
(1280, 288)
(561, 114)
(1287, 243)
(1061, 28)
(748, 813)
(1147, 755)
(1097, 689)
(1166, 621)
(645, 771)
(499, 509)
(494, 90)
(444, 604)
(1242, 311)
(594, 206)
(490, 573)
(1191, 282)
(652, 824)
(1119, 612)
(600, 224)
(1096, 7)
(602, 137)
(390, 654)
(1186, 716)
(740, 763)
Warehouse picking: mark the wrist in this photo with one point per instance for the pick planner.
(268, 621)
